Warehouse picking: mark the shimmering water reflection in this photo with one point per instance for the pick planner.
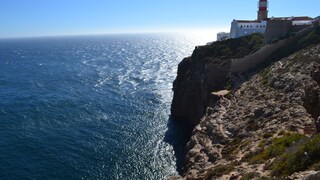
(89, 107)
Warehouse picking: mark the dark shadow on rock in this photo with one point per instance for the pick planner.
(177, 135)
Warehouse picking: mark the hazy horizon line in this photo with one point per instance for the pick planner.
(187, 31)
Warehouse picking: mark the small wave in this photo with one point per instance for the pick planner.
(99, 105)
(101, 82)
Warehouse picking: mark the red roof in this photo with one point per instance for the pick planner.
(248, 21)
(299, 18)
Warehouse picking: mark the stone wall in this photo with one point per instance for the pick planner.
(251, 61)
(297, 28)
(277, 29)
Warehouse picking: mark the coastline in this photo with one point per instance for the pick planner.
(223, 126)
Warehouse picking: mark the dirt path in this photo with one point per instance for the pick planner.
(225, 104)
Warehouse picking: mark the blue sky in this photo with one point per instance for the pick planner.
(24, 18)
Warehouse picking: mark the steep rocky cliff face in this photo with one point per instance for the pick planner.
(205, 71)
(266, 127)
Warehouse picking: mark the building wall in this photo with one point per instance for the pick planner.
(307, 22)
(281, 28)
(223, 36)
(239, 29)
(277, 29)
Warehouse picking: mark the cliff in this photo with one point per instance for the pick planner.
(207, 70)
(266, 125)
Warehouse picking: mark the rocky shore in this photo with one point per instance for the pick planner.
(258, 124)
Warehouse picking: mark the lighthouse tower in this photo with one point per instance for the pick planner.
(263, 10)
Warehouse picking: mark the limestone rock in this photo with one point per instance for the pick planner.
(281, 98)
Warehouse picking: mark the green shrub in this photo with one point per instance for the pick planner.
(219, 171)
(278, 146)
(249, 176)
(298, 158)
(223, 50)
(311, 38)
(233, 48)
(282, 132)
(267, 135)
(262, 143)
(274, 40)
(231, 148)
(265, 76)
(256, 42)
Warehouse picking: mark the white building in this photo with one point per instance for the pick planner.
(223, 36)
(241, 28)
(296, 20)
(277, 26)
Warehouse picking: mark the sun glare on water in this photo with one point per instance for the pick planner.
(204, 36)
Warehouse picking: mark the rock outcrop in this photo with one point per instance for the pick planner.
(267, 124)
(207, 70)
(191, 87)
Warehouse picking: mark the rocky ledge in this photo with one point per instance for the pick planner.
(261, 124)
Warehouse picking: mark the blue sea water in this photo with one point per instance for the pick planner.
(91, 107)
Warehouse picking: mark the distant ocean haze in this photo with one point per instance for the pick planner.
(93, 107)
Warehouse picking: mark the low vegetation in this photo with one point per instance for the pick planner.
(267, 135)
(278, 146)
(249, 176)
(299, 157)
(264, 74)
(311, 38)
(274, 40)
(219, 171)
(293, 152)
(233, 48)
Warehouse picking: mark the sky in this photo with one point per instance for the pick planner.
(27, 18)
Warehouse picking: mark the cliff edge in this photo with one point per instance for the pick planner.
(261, 123)
(207, 70)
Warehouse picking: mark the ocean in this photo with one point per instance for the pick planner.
(90, 107)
